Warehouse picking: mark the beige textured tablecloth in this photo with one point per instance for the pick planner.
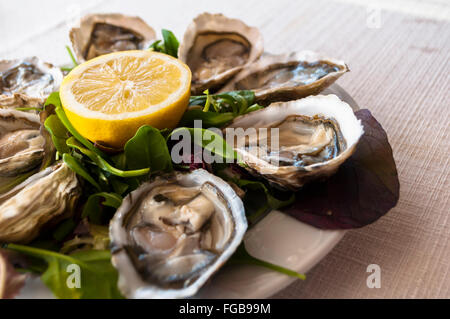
(399, 70)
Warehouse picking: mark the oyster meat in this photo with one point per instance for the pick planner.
(291, 143)
(27, 82)
(45, 197)
(171, 234)
(100, 34)
(216, 48)
(21, 144)
(287, 77)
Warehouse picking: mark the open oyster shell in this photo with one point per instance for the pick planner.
(27, 82)
(216, 48)
(46, 196)
(21, 144)
(287, 77)
(100, 34)
(171, 234)
(315, 135)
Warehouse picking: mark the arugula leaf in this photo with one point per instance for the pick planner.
(255, 205)
(209, 119)
(273, 202)
(53, 99)
(72, 57)
(236, 102)
(78, 168)
(169, 45)
(148, 148)
(58, 132)
(92, 208)
(98, 276)
(102, 163)
(64, 229)
(210, 141)
(65, 121)
(241, 256)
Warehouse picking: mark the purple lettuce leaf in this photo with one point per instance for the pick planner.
(364, 188)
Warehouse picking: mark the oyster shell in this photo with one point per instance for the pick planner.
(21, 144)
(216, 48)
(314, 136)
(171, 234)
(42, 198)
(27, 82)
(287, 77)
(100, 34)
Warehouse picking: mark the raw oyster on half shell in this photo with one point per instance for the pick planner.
(27, 82)
(100, 34)
(216, 48)
(172, 233)
(286, 77)
(291, 143)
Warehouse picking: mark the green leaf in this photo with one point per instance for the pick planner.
(234, 102)
(170, 43)
(98, 278)
(74, 61)
(210, 141)
(273, 202)
(53, 99)
(241, 256)
(209, 119)
(92, 208)
(58, 133)
(76, 166)
(148, 149)
(64, 229)
(65, 121)
(38, 109)
(102, 163)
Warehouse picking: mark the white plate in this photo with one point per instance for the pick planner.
(277, 238)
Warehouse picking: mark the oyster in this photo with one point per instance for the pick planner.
(287, 77)
(46, 196)
(312, 137)
(21, 144)
(171, 234)
(27, 82)
(100, 34)
(216, 48)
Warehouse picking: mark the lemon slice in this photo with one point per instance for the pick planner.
(108, 98)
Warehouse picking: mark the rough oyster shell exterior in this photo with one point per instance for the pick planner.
(44, 197)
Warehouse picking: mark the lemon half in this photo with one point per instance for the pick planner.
(109, 97)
